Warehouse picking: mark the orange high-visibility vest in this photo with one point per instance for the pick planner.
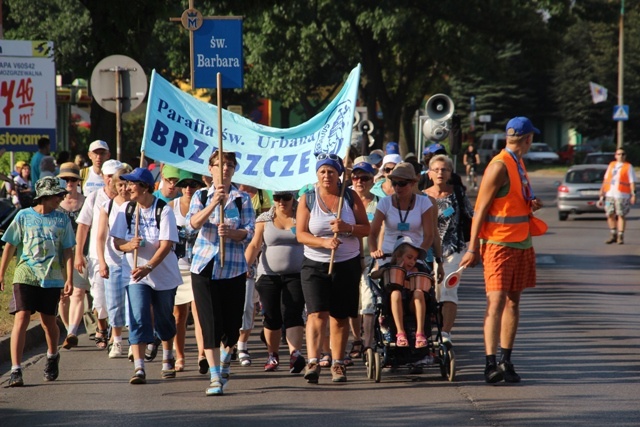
(508, 217)
(624, 185)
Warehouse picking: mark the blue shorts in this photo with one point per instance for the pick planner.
(140, 298)
(114, 291)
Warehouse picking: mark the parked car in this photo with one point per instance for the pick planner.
(570, 154)
(579, 192)
(540, 153)
(491, 144)
(599, 158)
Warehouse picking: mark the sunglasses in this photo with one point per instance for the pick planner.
(191, 184)
(283, 197)
(361, 178)
(71, 179)
(388, 170)
(330, 156)
(400, 183)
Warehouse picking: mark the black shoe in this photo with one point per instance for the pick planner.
(296, 363)
(16, 378)
(508, 372)
(51, 368)
(149, 355)
(492, 374)
(203, 366)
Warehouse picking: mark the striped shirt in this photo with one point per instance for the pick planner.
(207, 246)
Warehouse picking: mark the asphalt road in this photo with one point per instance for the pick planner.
(577, 351)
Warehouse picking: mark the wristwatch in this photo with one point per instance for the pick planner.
(438, 260)
(149, 266)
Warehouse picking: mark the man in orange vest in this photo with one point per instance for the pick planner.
(501, 235)
(619, 192)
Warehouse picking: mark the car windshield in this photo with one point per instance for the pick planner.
(586, 176)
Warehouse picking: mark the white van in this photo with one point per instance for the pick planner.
(491, 144)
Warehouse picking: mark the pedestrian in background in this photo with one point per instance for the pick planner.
(619, 193)
(44, 241)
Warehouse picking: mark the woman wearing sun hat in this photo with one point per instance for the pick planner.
(188, 183)
(404, 213)
(72, 307)
(332, 297)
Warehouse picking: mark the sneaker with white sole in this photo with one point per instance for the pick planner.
(244, 357)
(51, 370)
(116, 350)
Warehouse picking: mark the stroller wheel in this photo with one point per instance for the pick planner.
(447, 362)
(378, 367)
(370, 363)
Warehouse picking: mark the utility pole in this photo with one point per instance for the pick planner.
(621, 74)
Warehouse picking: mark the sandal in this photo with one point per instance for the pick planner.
(401, 340)
(325, 362)
(348, 361)
(421, 341)
(356, 350)
(179, 366)
(102, 341)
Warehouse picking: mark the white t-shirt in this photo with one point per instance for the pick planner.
(112, 256)
(392, 219)
(93, 182)
(165, 275)
(615, 179)
(90, 215)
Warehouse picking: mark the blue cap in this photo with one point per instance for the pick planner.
(520, 126)
(392, 148)
(140, 175)
(435, 149)
(365, 167)
(336, 164)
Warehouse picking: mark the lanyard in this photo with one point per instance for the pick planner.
(402, 220)
(527, 191)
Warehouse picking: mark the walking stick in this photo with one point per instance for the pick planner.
(135, 229)
(340, 203)
(220, 158)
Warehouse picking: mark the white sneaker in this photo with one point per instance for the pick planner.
(116, 350)
(244, 358)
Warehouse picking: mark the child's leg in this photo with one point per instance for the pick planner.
(421, 310)
(396, 310)
(18, 335)
(51, 332)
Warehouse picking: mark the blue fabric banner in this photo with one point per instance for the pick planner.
(183, 131)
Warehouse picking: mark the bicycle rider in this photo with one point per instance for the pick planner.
(472, 161)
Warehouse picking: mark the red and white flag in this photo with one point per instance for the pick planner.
(598, 93)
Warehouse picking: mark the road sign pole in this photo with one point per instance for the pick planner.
(620, 141)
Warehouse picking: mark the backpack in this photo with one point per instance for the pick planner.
(465, 218)
(311, 198)
(131, 208)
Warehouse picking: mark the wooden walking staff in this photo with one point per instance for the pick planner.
(135, 229)
(340, 203)
(220, 158)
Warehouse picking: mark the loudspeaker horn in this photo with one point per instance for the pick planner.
(366, 126)
(439, 107)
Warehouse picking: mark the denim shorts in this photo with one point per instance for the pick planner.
(140, 298)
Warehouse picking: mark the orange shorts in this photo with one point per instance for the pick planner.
(508, 269)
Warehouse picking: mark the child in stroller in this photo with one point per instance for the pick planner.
(405, 274)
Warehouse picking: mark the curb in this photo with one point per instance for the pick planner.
(34, 337)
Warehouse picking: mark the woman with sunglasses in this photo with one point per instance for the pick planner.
(110, 262)
(362, 179)
(382, 186)
(403, 214)
(279, 284)
(71, 307)
(330, 298)
(188, 183)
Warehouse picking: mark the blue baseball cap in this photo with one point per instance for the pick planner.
(140, 175)
(392, 148)
(434, 149)
(331, 160)
(364, 166)
(520, 126)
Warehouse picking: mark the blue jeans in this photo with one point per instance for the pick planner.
(140, 299)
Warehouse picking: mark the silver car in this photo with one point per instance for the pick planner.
(579, 192)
